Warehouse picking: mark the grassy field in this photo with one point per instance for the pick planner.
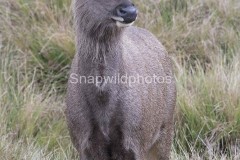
(36, 48)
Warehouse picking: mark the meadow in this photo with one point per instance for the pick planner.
(36, 49)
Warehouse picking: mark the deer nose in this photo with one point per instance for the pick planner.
(127, 12)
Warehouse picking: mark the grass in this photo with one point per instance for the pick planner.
(36, 48)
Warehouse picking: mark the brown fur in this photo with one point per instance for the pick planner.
(117, 121)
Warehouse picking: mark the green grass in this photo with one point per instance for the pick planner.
(36, 48)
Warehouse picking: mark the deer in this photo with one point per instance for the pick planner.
(118, 121)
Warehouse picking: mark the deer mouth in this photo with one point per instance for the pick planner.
(120, 22)
(125, 14)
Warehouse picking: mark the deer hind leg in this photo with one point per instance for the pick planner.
(160, 149)
(164, 144)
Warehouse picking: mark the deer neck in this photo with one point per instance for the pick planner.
(100, 56)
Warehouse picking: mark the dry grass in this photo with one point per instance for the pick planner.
(36, 48)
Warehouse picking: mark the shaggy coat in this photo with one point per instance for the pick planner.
(118, 121)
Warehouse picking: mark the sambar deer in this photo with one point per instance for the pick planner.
(112, 120)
